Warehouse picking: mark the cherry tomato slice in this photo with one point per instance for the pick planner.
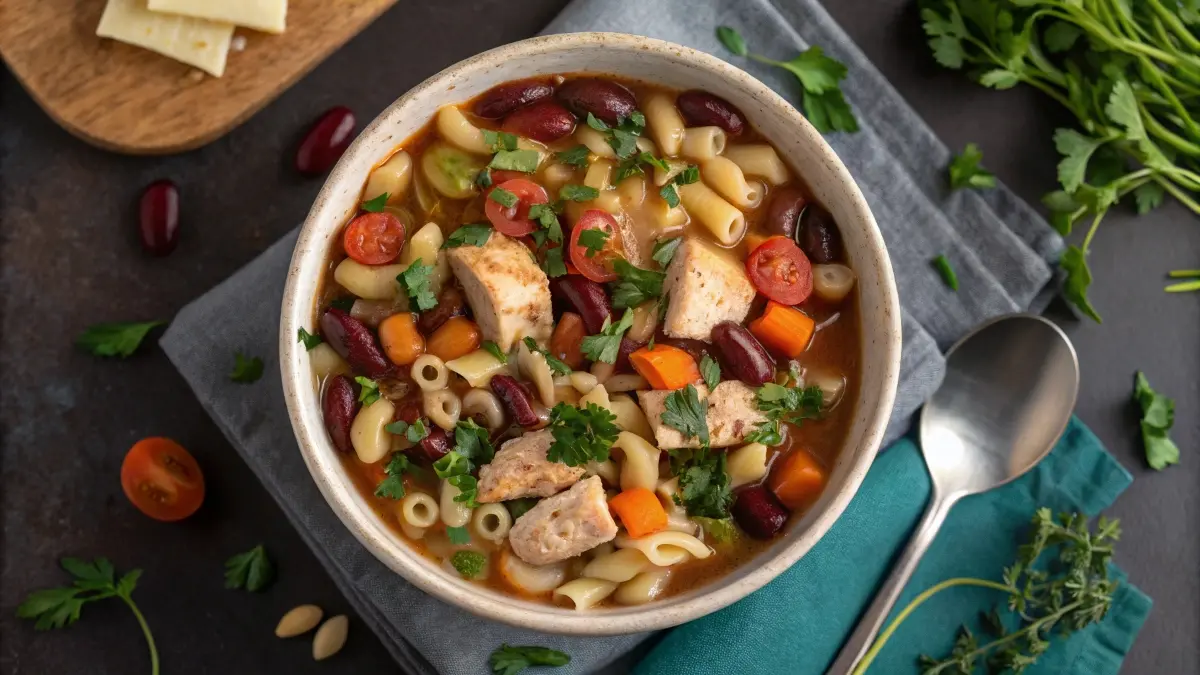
(504, 175)
(780, 271)
(162, 479)
(374, 238)
(598, 265)
(514, 220)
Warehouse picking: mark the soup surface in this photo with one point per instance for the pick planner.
(587, 341)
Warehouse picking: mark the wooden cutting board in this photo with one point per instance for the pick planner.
(134, 101)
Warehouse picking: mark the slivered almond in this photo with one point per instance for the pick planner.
(299, 620)
(330, 637)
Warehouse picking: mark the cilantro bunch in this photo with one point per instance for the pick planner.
(1128, 72)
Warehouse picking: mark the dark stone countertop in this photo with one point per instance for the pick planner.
(70, 258)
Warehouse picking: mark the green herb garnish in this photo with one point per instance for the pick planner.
(503, 197)
(664, 250)
(525, 161)
(499, 141)
(710, 370)
(413, 433)
(781, 404)
(636, 285)
(553, 265)
(594, 240)
(607, 344)
(687, 414)
(705, 487)
(556, 365)
(578, 193)
(375, 205)
(721, 530)
(475, 234)
(251, 570)
(115, 339)
(965, 171)
(1158, 416)
(246, 369)
(576, 156)
(458, 535)
(942, 264)
(1184, 286)
(669, 194)
(392, 486)
(510, 660)
(581, 434)
(519, 507)
(494, 349)
(368, 391)
(310, 341)
(415, 280)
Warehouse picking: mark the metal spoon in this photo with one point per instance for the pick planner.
(1009, 391)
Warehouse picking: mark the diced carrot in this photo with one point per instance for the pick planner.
(457, 337)
(567, 340)
(797, 480)
(665, 367)
(640, 512)
(785, 329)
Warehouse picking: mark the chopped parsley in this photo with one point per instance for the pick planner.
(375, 205)
(581, 434)
(942, 265)
(578, 193)
(469, 564)
(475, 234)
(556, 365)
(623, 137)
(484, 178)
(545, 216)
(704, 484)
(246, 369)
(784, 404)
(596, 123)
(415, 281)
(687, 414)
(494, 349)
(553, 265)
(664, 250)
(499, 141)
(688, 176)
(251, 570)
(392, 486)
(310, 341)
(710, 370)
(720, 530)
(458, 535)
(1158, 416)
(472, 441)
(115, 339)
(632, 166)
(594, 240)
(414, 433)
(637, 285)
(965, 171)
(606, 346)
(525, 161)
(503, 197)
(472, 448)
(670, 195)
(368, 392)
(576, 156)
(510, 660)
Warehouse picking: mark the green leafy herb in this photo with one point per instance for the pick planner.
(525, 161)
(1158, 416)
(576, 156)
(687, 414)
(791, 404)
(664, 250)
(705, 487)
(476, 234)
(710, 370)
(469, 564)
(251, 570)
(942, 264)
(115, 339)
(581, 434)
(553, 264)
(392, 486)
(596, 123)
(413, 433)
(720, 530)
(510, 660)
(455, 467)
(344, 304)
(636, 285)
(494, 349)
(607, 345)
(375, 205)
(965, 171)
(556, 365)
(623, 137)
(458, 535)
(578, 193)
(647, 158)
(52, 608)
(1057, 586)
(246, 369)
(310, 341)
(499, 141)
(689, 175)
(1074, 262)
(415, 281)
(732, 40)
(594, 240)
(503, 197)
(519, 507)
(767, 433)
(669, 194)
(368, 391)
(473, 442)
(484, 178)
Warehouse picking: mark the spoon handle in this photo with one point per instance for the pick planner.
(872, 619)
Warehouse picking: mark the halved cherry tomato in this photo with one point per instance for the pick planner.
(780, 271)
(162, 479)
(374, 238)
(514, 220)
(598, 265)
(504, 175)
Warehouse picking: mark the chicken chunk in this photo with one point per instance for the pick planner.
(705, 286)
(565, 525)
(520, 469)
(508, 293)
(732, 415)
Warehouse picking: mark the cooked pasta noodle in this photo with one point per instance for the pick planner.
(632, 191)
(600, 550)
(674, 168)
(412, 532)
(630, 416)
(456, 128)
(759, 160)
(430, 373)
(598, 395)
(534, 367)
(419, 509)
(607, 470)
(585, 593)
(626, 382)
(426, 246)
(667, 547)
(557, 175)
(639, 466)
(644, 587)
(664, 123)
(492, 522)
(531, 578)
(602, 371)
(454, 514)
(599, 175)
(391, 178)
(747, 464)
(583, 382)
(702, 143)
(728, 180)
(372, 282)
(371, 441)
(482, 406)
(677, 517)
(477, 368)
(595, 141)
(726, 223)
(326, 362)
(620, 565)
(665, 217)
(443, 407)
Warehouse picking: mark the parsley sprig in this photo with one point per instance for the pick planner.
(965, 171)
(252, 570)
(606, 346)
(510, 660)
(623, 137)
(115, 339)
(636, 285)
(416, 280)
(780, 404)
(581, 434)
(1158, 416)
(687, 413)
(392, 486)
(246, 369)
(556, 365)
(96, 580)
(472, 448)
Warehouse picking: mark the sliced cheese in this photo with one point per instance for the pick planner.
(265, 15)
(196, 42)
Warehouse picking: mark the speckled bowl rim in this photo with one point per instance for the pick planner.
(389, 548)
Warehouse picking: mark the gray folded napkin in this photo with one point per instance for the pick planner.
(1002, 252)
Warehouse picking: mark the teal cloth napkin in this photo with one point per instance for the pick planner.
(796, 624)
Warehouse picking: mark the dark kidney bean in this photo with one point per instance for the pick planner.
(759, 512)
(325, 142)
(702, 109)
(450, 303)
(818, 236)
(783, 213)
(696, 348)
(502, 100)
(516, 399)
(158, 217)
(605, 99)
(587, 298)
(355, 342)
(742, 354)
(434, 446)
(628, 347)
(544, 121)
(340, 405)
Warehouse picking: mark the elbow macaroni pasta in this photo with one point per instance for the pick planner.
(667, 547)
(759, 160)
(677, 517)
(419, 510)
(607, 470)
(454, 514)
(481, 403)
(371, 441)
(639, 467)
(726, 223)
(492, 522)
(533, 366)
(456, 128)
(370, 282)
(620, 565)
(391, 178)
(727, 179)
(430, 373)
(585, 593)
(630, 416)
(443, 407)
(477, 368)
(426, 246)
(531, 578)
(703, 143)
(644, 587)
(664, 123)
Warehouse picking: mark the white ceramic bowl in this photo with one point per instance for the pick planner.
(674, 66)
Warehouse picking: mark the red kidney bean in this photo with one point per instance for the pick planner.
(783, 213)
(503, 99)
(434, 446)
(516, 399)
(409, 412)
(355, 342)
(696, 348)
(818, 236)
(587, 298)
(450, 303)
(742, 354)
(605, 99)
(340, 405)
(702, 109)
(759, 512)
(325, 142)
(628, 347)
(544, 121)
(158, 217)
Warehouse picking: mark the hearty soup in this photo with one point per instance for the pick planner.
(586, 340)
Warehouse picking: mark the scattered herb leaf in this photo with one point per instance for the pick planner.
(415, 280)
(375, 205)
(664, 250)
(115, 339)
(607, 344)
(475, 234)
(636, 285)
(942, 264)
(310, 341)
(510, 660)
(581, 434)
(576, 156)
(469, 564)
(965, 171)
(525, 161)
(578, 193)
(1158, 416)
(556, 365)
(458, 536)
(246, 369)
(251, 570)
(368, 391)
(494, 349)
(710, 370)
